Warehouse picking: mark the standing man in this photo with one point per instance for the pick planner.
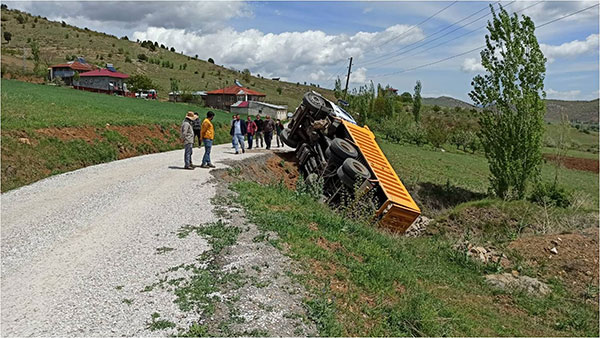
(238, 130)
(278, 129)
(197, 125)
(268, 128)
(208, 135)
(250, 131)
(259, 129)
(187, 136)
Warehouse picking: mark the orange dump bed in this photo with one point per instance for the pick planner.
(400, 210)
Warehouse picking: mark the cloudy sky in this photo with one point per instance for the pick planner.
(395, 43)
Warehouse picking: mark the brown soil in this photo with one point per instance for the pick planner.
(576, 262)
(576, 163)
(270, 168)
(88, 134)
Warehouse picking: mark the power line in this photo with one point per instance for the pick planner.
(384, 56)
(457, 37)
(480, 47)
(337, 73)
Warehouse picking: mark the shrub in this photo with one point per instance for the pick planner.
(279, 90)
(210, 60)
(551, 194)
(127, 59)
(436, 131)
(7, 36)
(20, 19)
(142, 57)
(63, 24)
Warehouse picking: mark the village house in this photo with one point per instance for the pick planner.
(256, 107)
(223, 98)
(103, 81)
(66, 71)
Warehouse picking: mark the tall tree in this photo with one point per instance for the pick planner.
(416, 109)
(337, 90)
(511, 93)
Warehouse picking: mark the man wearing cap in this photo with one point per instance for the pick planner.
(187, 136)
(208, 135)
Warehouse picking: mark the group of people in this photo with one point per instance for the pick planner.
(256, 131)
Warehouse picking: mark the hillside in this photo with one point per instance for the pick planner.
(446, 101)
(579, 111)
(59, 42)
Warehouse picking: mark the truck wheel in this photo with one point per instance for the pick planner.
(346, 180)
(342, 149)
(285, 137)
(313, 102)
(356, 170)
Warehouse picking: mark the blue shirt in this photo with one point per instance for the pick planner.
(237, 127)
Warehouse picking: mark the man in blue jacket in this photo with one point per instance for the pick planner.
(238, 130)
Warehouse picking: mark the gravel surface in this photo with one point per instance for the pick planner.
(78, 248)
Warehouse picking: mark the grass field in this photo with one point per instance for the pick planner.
(368, 283)
(422, 164)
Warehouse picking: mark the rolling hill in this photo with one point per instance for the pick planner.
(59, 42)
(580, 111)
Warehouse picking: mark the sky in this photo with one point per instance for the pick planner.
(393, 43)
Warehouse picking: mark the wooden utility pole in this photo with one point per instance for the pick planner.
(348, 78)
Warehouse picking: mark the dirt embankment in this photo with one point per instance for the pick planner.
(270, 168)
(576, 163)
(28, 156)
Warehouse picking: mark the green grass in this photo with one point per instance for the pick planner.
(416, 165)
(578, 139)
(366, 283)
(27, 106)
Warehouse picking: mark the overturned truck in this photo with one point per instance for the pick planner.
(330, 145)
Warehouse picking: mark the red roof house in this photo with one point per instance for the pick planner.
(103, 81)
(223, 98)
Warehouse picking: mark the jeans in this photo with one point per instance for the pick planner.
(207, 146)
(268, 137)
(259, 137)
(187, 154)
(238, 140)
(279, 140)
(249, 141)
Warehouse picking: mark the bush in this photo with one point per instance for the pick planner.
(20, 19)
(436, 131)
(142, 57)
(127, 59)
(210, 60)
(551, 194)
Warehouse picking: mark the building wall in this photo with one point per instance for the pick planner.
(101, 83)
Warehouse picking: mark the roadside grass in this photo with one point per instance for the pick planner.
(416, 165)
(366, 282)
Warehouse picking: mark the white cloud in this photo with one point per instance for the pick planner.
(359, 76)
(472, 65)
(565, 95)
(571, 49)
(285, 54)
(367, 10)
(317, 76)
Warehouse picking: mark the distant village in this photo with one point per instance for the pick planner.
(236, 98)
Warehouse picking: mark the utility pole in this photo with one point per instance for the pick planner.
(348, 78)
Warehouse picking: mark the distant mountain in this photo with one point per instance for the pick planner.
(581, 111)
(446, 101)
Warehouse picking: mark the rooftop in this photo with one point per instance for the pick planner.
(105, 72)
(235, 90)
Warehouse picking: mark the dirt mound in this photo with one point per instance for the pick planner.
(270, 168)
(571, 257)
(584, 164)
(88, 134)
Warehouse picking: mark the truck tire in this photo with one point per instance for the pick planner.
(314, 102)
(355, 170)
(285, 137)
(342, 149)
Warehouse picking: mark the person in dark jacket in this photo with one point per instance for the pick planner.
(259, 130)
(237, 132)
(268, 127)
(197, 126)
(251, 131)
(278, 129)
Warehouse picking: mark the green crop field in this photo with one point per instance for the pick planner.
(30, 106)
(416, 165)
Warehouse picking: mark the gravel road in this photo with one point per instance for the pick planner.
(78, 248)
